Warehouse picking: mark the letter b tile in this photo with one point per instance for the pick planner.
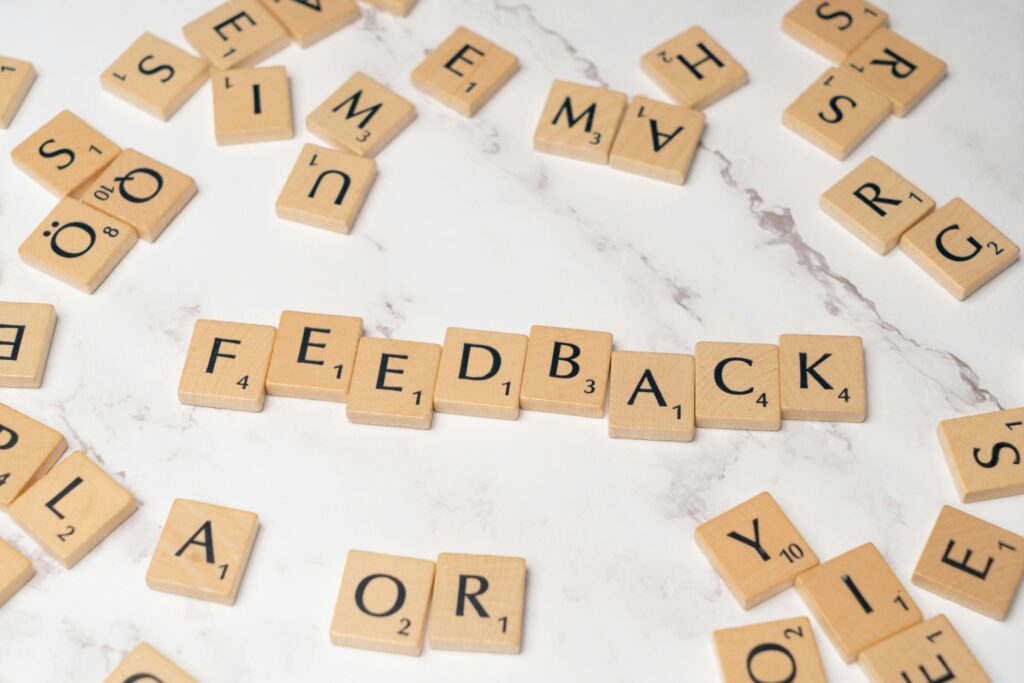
(566, 371)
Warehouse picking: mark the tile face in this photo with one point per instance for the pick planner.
(362, 116)
(566, 371)
(155, 76)
(579, 122)
(393, 383)
(478, 603)
(63, 154)
(226, 365)
(876, 204)
(782, 650)
(984, 453)
(857, 600)
(72, 508)
(382, 603)
(481, 373)
(931, 651)
(755, 549)
(309, 21)
(26, 331)
(326, 189)
(237, 33)
(694, 69)
(203, 551)
(313, 356)
(657, 140)
(28, 449)
(836, 113)
(144, 664)
(16, 77)
(737, 386)
(822, 378)
(959, 249)
(465, 71)
(972, 562)
(78, 245)
(399, 7)
(650, 396)
(833, 29)
(897, 68)
(252, 105)
(15, 571)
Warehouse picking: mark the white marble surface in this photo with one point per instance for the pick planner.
(468, 226)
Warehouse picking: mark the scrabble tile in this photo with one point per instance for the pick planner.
(393, 383)
(822, 378)
(755, 549)
(15, 571)
(972, 562)
(931, 652)
(64, 154)
(836, 113)
(876, 204)
(362, 116)
(226, 365)
(959, 249)
(478, 603)
(857, 600)
(657, 140)
(694, 69)
(651, 396)
(72, 508)
(155, 76)
(309, 22)
(326, 189)
(782, 650)
(252, 105)
(142, 192)
(28, 449)
(737, 386)
(16, 77)
(897, 68)
(26, 331)
(566, 371)
(382, 603)
(399, 7)
(145, 664)
(481, 373)
(203, 551)
(984, 453)
(833, 29)
(465, 71)
(236, 34)
(313, 356)
(579, 122)
(78, 245)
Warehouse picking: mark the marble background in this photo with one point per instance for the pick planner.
(467, 226)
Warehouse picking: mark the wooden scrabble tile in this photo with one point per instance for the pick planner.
(478, 603)
(737, 386)
(694, 68)
(308, 22)
(480, 373)
(566, 371)
(876, 204)
(142, 192)
(651, 396)
(155, 76)
(857, 600)
(657, 140)
(465, 71)
(782, 650)
(833, 29)
(16, 77)
(579, 122)
(64, 154)
(931, 652)
(313, 356)
(755, 549)
(399, 7)
(26, 331)
(203, 551)
(382, 603)
(236, 34)
(836, 113)
(897, 68)
(78, 245)
(326, 189)
(984, 454)
(959, 249)
(145, 664)
(252, 105)
(28, 449)
(972, 562)
(226, 365)
(822, 378)
(72, 508)
(393, 383)
(362, 116)
(15, 571)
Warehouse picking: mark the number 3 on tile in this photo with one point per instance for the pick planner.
(591, 387)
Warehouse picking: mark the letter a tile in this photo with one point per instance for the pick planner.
(26, 331)
(984, 453)
(226, 365)
(774, 651)
(931, 651)
(145, 665)
(651, 396)
(657, 140)
(28, 449)
(326, 189)
(694, 69)
(579, 122)
(393, 383)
